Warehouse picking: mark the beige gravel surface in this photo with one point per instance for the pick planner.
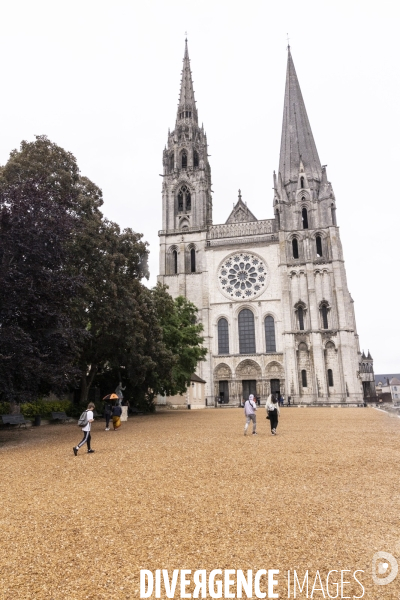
(186, 490)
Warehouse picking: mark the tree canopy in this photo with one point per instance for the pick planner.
(38, 200)
(73, 309)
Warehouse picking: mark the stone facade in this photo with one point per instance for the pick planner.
(272, 295)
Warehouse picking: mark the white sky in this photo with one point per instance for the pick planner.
(101, 79)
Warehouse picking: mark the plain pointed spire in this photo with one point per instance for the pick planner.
(187, 105)
(297, 142)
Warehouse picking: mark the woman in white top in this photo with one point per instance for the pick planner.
(273, 412)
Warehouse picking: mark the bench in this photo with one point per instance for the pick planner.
(60, 416)
(14, 420)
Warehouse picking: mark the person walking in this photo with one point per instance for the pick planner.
(250, 412)
(107, 414)
(116, 417)
(272, 408)
(86, 431)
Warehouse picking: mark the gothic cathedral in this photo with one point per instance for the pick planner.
(272, 295)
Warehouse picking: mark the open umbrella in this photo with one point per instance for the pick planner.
(111, 397)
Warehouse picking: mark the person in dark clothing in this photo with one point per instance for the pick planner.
(272, 408)
(107, 414)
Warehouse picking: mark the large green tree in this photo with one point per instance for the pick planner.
(182, 338)
(110, 306)
(73, 308)
(38, 202)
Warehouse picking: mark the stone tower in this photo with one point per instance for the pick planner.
(187, 175)
(186, 204)
(320, 337)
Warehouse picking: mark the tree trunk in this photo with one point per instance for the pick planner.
(86, 382)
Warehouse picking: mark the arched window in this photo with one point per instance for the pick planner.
(304, 218)
(278, 219)
(270, 343)
(184, 160)
(175, 262)
(180, 200)
(330, 378)
(184, 199)
(301, 182)
(171, 162)
(304, 378)
(193, 260)
(295, 248)
(195, 159)
(318, 243)
(324, 315)
(223, 337)
(247, 338)
(300, 316)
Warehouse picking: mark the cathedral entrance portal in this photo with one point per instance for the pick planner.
(249, 387)
(275, 387)
(224, 391)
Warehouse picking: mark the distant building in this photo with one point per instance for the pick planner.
(193, 398)
(388, 387)
(367, 376)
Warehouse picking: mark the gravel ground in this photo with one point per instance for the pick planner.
(186, 490)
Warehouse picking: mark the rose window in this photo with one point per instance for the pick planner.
(242, 276)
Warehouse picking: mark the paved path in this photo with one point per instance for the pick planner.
(186, 490)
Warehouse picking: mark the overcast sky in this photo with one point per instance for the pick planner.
(101, 79)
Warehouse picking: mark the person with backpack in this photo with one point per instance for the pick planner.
(250, 408)
(85, 421)
(272, 408)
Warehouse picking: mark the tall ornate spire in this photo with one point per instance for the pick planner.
(187, 105)
(297, 143)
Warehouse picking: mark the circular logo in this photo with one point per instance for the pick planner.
(242, 276)
(380, 568)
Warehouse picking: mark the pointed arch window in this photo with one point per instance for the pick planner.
(300, 317)
(304, 378)
(330, 377)
(223, 337)
(301, 182)
(184, 199)
(195, 159)
(174, 262)
(278, 219)
(295, 248)
(247, 337)
(270, 342)
(193, 260)
(318, 243)
(171, 162)
(184, 160)
(324, 316)
(304, 218)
